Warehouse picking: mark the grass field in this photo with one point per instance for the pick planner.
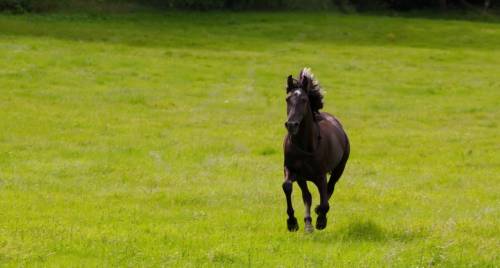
(154, 139)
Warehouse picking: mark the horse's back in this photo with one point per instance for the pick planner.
(334, 138)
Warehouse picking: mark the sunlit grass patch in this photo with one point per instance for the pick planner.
(156, 140)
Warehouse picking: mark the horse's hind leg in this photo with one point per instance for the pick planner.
(287, 188)
(339, 169)
(323, 206)
(337, 172)
(307, 198)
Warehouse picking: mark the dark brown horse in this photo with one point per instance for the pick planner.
(314, 146)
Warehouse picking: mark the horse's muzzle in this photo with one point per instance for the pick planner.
(292, 127)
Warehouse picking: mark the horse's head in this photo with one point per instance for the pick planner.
(297, 102)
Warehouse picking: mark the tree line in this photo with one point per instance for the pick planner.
(415, 4)
(343, 5)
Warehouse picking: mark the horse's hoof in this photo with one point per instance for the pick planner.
(321, 222)
(308, 228)
(292, 224)
(308, 225)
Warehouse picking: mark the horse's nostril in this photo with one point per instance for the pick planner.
(291, 124)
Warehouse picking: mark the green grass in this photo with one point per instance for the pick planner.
(156, 140)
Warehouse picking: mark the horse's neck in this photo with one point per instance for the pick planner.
(305, 138)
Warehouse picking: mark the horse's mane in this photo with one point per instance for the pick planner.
(314, 91)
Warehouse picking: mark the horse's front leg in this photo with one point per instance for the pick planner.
(323, 206)
(307, 198)
(287, 188)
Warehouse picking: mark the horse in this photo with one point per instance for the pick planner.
(315, 145)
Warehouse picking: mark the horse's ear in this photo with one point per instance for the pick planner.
(307, 83)
(289, 84)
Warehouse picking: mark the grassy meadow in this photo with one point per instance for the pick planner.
(155, 139)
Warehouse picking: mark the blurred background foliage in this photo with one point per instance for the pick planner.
(20, 6)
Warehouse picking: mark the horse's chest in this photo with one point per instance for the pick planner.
(304, 167)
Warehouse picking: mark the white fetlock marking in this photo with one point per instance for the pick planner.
(308, 228)
(308, 211)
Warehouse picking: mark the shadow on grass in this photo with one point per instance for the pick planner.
(368, 230)
(364, 230)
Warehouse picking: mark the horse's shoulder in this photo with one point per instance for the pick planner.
(318, 117)
(326, 118)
